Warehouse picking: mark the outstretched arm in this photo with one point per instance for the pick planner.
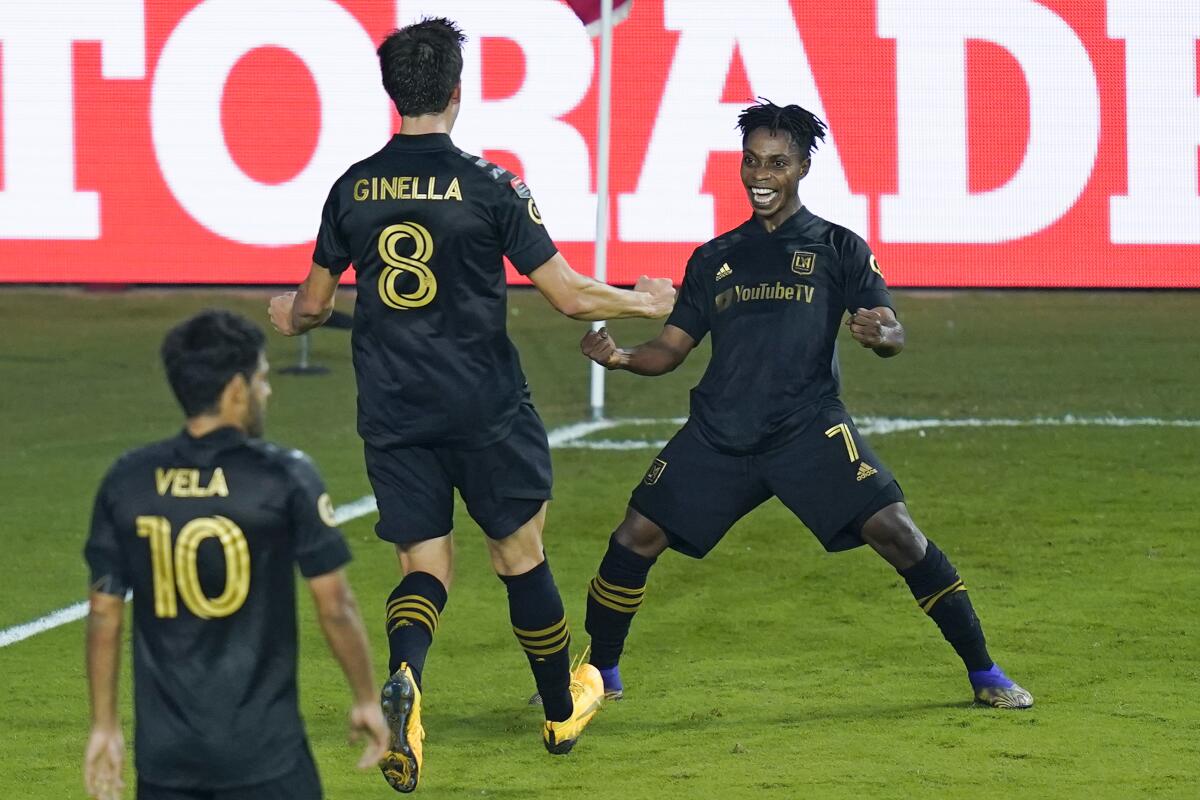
(580, 297)
(106, 746)
(878, 329)
(658, 356)
(295, 312)
(342, 625)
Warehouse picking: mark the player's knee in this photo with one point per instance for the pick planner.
(640, 535)
(519, 552)
(892, 531)
(434, 557)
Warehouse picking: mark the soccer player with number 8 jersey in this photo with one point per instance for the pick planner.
(442, 401)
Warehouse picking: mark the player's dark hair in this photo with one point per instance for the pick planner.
(802, 125)
(203, 353)
(421, 65)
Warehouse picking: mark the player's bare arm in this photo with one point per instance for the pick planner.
(308, 307)
(583, 298)
(658, 356)
(342, 625)
(105, 755)
(878, 329)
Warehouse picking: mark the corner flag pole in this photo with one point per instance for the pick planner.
(603, 124)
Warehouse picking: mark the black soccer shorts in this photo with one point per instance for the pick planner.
(301, 782)
(503, 485)
(828, 476)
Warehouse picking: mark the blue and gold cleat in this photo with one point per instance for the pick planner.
(400, 700)
(613, 688)
(993, 688)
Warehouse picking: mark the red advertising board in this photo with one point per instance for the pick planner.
(992, 143)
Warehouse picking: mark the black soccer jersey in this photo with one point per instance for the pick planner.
(426, 227)
(205, 532)
(773, 302)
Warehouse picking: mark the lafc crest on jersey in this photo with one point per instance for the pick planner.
(803, 262)
(655, 472)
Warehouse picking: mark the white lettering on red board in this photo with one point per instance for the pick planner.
(39, 199)
(932, 204)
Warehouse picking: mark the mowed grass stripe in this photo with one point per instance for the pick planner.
(572, 436)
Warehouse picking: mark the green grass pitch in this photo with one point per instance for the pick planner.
(768, 670)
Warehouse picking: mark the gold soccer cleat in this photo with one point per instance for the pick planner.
(401, 703)
(587, 692)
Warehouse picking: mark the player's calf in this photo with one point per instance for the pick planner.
(615, 594)
(941, 593)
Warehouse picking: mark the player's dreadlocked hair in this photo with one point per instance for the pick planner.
(421, 65)
(804, 126)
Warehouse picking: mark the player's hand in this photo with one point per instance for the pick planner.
(103, 762)
(366, 719)
(280, 312)
(662, 295)
(600, 347)
(868, 327)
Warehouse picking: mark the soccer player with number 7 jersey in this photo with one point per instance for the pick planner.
(442, 401)
(766, 419)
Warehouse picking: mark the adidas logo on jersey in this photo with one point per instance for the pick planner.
(865, 471)
(724, 272)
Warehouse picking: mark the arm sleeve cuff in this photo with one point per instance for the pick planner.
(331, 555)
(688, 322)
(532, 257)
(872, 299)
(336, 266)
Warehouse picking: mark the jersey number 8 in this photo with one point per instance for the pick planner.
(176, 567)
(417, 264)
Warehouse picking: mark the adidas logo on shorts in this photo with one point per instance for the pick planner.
(865, 471)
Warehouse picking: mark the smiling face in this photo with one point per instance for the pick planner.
(772, 166)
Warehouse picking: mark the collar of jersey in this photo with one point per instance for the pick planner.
(798, 220)
(218, 439)
(421, 142)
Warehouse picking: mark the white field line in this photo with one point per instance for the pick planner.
(877, 425)
(574, 437)
(350, 511)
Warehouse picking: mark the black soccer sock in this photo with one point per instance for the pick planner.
(941, 594)
(413, 610)
(614, 596)
(538, 620)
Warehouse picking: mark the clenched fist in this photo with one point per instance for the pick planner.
(662, 295)
(280, 312)
(868, 327)
(600, 347)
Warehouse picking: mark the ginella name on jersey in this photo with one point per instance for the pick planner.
(405, 187)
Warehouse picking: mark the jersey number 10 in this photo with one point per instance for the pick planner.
(176, 567)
